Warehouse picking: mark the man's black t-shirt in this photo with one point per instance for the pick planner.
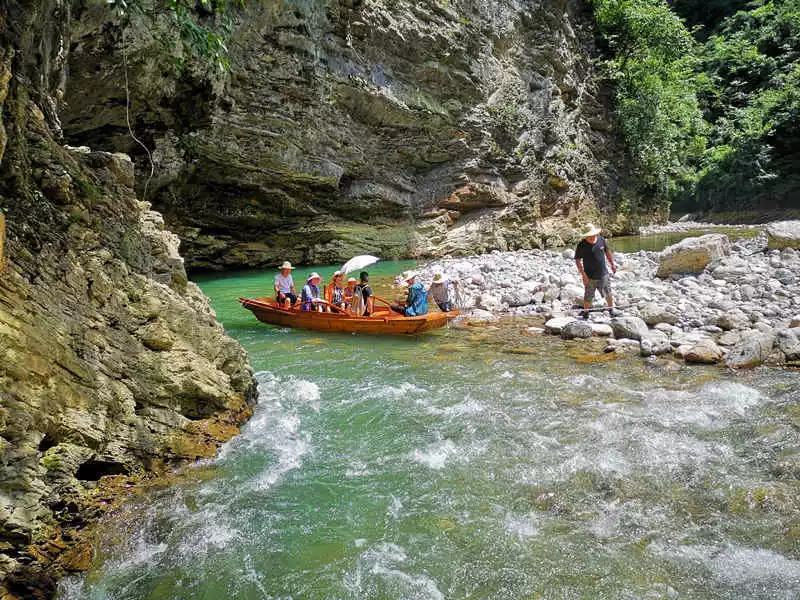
(366, 291)
(594, 259)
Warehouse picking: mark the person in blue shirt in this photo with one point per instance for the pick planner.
(416, 303)
(309, 298)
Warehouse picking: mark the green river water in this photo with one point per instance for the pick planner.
(474, 462)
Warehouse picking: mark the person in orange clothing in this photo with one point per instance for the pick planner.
(334, 293)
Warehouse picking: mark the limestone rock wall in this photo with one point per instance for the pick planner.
(111, 362)
(398, 127)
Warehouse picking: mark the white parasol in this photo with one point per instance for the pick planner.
(359, 262)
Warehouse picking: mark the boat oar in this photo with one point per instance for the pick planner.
(595, 309)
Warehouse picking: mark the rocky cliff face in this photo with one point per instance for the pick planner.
(402, 127)
(111, 363)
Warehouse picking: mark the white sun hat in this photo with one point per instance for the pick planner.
(591, 230)
(409, 275)
(314, 275)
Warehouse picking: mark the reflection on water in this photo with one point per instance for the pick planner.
(443, 466)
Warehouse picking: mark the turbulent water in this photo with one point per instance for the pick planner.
(474, 462)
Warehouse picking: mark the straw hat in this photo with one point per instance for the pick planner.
(409, 275)
(591, 230)
(314, 275)
(286, 265)
(352, 280)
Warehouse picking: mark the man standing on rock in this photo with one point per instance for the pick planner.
(590, 258)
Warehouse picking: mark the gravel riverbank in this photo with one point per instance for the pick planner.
(705, 299)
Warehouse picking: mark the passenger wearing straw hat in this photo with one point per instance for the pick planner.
(284, 284)
(309, 297)
(334, 294)
(439, 290)
(417, 302)
(590, 258)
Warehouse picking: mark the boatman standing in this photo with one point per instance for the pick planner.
(590, 258)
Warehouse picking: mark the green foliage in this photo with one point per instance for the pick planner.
(203, 26)
(707, 14)
(653, 65)
(753, 102)
(713, 125)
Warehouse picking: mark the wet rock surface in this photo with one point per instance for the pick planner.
(112, 364)
(397, 128)
(738, 310)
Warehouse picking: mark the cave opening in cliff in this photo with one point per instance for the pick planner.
(47, 442)
(93, 470)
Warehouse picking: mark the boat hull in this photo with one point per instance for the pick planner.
(382, 322)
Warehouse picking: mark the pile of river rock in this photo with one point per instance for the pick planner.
(704, 299)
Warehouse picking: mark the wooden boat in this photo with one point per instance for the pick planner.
(382, 320)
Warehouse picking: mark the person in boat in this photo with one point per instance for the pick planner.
(309, 297)
(334, 293)
(590, 258)
(439, 291)
(363, 301)
(284, 284)
(349, 291)
(416, 303)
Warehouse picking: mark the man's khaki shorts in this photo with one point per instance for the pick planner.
(602, 285)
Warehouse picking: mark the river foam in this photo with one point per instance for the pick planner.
(382, 572)
(193, 524)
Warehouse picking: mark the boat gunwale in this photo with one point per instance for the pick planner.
(304, 319)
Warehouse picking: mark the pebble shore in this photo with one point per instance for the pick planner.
(705, 300)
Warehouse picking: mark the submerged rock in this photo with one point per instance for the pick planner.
(655, 343)
(557, 324)
(751, 351)
(602, 329)
(622, 345)
(576, 329)
(705, 352)
(629, 327)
